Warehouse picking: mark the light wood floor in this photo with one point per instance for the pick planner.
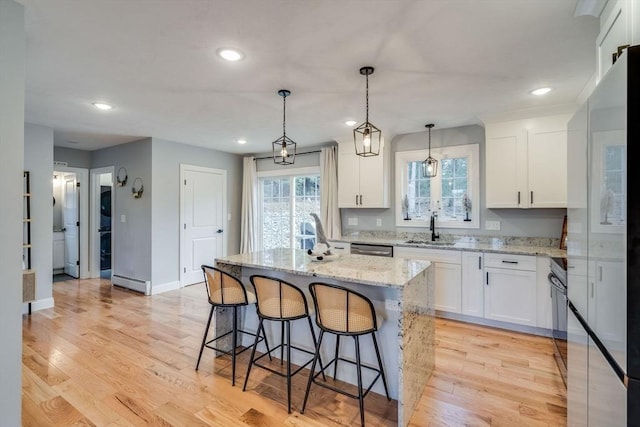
(109, 357)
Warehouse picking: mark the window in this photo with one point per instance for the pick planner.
(452, 194)
(285, 204)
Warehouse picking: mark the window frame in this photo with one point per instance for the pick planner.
(471, 151)
(292, 173)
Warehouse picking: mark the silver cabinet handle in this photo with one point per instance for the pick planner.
(509, 262)
(361, 200)
(600, 273)
(591, 289)
(532, 197)
(479, 263)
(518, 197)
(356, 199)
(487, 278)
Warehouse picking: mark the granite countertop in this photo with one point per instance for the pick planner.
(506, 245)
(376, 271)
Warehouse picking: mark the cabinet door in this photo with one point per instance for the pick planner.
(372, 190)
(607, 395)
(348, 177)
(577, 371)
(448, 287)
(510, 296)
(615, 30)
(472, 285)
(547, 169)
(502, 172)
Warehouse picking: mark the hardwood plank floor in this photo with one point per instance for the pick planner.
(105, 356)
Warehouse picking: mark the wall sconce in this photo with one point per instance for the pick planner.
(120, 180)
(137, 193)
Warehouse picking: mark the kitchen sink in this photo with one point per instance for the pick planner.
(429, 242)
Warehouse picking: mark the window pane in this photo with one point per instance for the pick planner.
(275, 214)
(454, 184)
(418, 191)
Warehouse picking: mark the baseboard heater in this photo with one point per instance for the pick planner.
(131, 283)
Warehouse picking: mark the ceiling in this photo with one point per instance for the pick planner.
(450, 62)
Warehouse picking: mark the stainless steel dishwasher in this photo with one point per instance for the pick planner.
(373, 250)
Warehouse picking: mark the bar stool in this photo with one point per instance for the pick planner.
(279, 301)
(341, 311)
(225, 290)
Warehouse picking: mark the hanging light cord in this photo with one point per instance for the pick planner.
(367, 98)
(429, 142)
(284, 118)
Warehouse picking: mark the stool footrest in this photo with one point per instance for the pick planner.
(273, 371)
(337, 390)
(208, 343)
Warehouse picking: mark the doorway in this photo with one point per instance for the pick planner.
(102, 204)
(70, 215)
(203, 218)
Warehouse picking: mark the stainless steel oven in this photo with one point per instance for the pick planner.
(558, 287)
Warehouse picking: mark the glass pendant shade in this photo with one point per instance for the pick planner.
(429, 165)
(367, 136)
(284, 149)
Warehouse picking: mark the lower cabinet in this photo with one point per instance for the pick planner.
(472, 284)
(510, 288)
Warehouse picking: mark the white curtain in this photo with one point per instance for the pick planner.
(329, 211)
(249, 225)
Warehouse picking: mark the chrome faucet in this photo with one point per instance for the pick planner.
(432, 227)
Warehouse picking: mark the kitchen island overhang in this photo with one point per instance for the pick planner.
(402, 290)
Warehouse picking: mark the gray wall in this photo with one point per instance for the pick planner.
(166, 159)
(12, 63)
(133, 240)
(38, 160)
(74, 158)
(514, 222)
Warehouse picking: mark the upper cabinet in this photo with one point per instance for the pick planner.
(526, 163)
(363, 182)
(619, 26)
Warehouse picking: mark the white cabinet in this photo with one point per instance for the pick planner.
(619, 26)
(526, 163)
(510, 288)
(447, 272)
(58, 250)
(341, 248)
(472, 284)
(363, 182)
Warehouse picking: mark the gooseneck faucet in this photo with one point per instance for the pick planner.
(432, 227)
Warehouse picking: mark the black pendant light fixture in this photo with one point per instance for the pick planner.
(366, 137)
(429, 165)
(284, 149)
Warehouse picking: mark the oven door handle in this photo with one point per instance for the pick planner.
(556, 283)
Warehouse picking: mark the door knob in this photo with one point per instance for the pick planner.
(219, 231)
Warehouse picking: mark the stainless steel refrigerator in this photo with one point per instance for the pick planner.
(603, 252)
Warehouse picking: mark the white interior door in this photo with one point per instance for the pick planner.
(203, 220)
(71, 226)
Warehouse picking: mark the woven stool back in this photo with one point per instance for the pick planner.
(223, 288)
(342, 311)
(278, 299)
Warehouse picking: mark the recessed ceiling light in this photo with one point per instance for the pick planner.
(541, 91)
(350, 122)
(102, 106)
(231, 55)
(241, 141)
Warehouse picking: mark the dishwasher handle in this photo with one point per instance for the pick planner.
(372, 250)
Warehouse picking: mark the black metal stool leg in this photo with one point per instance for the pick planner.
(253, 354)
(282, 342)
(335, 366)
(359, 369)
(235, 345)
(266, 343)
(384, 378)
(288, 367)
(315, 342)
(204, 338)
(313, 368)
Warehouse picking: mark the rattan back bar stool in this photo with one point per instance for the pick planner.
(225, 290)
(341, 311)
(280, 301)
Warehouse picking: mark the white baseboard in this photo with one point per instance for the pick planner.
(165, 287)
(40, 304)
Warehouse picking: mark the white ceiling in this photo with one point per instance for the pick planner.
(450, 62)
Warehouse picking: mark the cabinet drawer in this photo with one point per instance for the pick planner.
(434, 255)
(513, 262)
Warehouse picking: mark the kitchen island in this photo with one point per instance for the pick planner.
(401, 290)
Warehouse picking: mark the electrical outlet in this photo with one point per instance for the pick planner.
(492, 225)
(353, 221)
(123, 218)
(378, 222)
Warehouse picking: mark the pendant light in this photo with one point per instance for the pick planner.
(429, 165)
(284, 149)
(366, 137)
